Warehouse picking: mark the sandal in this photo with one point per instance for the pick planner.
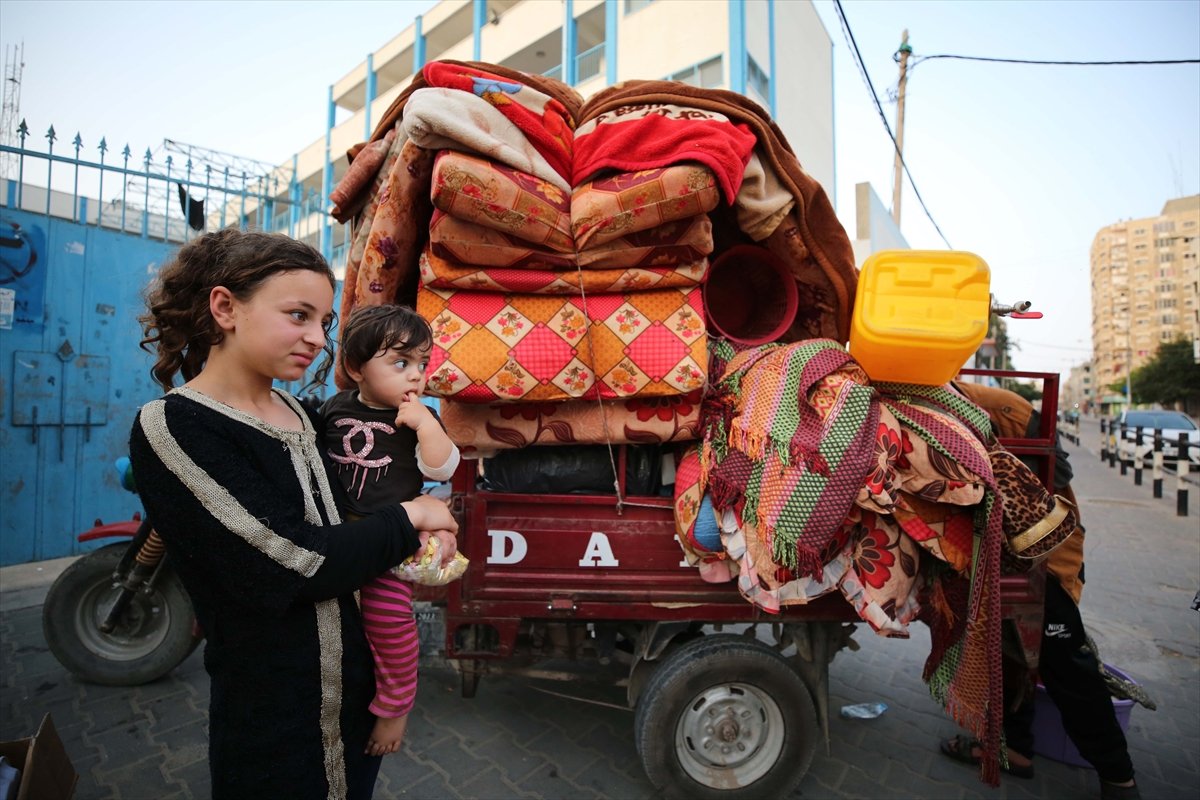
(961, 749)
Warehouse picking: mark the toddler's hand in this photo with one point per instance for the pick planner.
(412, 413)
(428, 513)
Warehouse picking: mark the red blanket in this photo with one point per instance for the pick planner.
(639, 137)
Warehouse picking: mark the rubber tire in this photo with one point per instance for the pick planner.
(81, 596)
(700, 665)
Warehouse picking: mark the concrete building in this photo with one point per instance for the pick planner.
(1144, 291)
(1077, 391)
(741, 45)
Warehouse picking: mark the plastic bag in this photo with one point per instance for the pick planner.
(424, 566)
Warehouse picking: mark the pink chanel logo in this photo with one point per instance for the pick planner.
(359, 458)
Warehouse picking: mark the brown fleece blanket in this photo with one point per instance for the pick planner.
(812, 234)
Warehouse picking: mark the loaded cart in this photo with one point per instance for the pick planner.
(585, 576)
(675, 469)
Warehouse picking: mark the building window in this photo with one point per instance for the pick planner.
(707, 75)
(757, 80)
(636, 5)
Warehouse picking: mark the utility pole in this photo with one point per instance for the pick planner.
(898, 182)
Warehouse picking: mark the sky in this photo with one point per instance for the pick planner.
(1019, 164)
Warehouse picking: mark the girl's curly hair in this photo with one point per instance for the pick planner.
(178, 327)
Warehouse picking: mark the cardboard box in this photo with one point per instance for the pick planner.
(46, 771)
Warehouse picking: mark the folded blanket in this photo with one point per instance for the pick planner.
(605, 209)
(679, 242)
(556, 89)
(462, 242)
(545, 121)
(388, 267)
(438, 273)
(480, 429)
(447, 119)
(362, 171)
(810, 237)
(359, 235)
(645, 136)
(528, 347)
(762, 201)
(499, 197)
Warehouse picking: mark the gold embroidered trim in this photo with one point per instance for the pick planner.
(217, 500)
(329, 636)
(1042, 529)
(274, 431)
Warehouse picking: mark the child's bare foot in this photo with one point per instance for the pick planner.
(387, 735)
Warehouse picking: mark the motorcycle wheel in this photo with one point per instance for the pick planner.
(152, 637)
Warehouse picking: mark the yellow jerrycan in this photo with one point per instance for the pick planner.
(919, 314)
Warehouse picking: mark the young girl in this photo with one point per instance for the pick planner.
(231, 473)
(387, 443)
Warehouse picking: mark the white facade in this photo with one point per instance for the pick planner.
(740, 45)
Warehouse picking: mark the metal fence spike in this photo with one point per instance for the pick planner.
(23, 129)
(103, 147)
(126, 152)
(147, 157)
(51, 135)
(169, 162)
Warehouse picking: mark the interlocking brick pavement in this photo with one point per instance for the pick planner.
(516, 740)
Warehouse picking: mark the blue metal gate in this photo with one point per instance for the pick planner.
(72, 271)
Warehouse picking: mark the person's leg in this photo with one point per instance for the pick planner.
(1018, 732)
(361, 774)
(392, 633)
(1072, 678)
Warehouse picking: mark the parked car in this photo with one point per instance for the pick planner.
(1169, 423)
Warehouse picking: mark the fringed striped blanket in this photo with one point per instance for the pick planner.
(789, 440)
(779, 461)
(961, 672)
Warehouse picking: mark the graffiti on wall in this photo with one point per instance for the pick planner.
(22, 275)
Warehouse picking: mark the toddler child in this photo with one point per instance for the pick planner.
(387, 443)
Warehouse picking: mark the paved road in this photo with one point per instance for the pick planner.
(517, 740)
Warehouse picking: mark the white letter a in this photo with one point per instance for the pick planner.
(599, 552)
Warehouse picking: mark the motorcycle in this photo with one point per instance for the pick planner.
(119, 616)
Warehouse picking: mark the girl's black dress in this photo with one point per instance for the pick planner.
(251, 523)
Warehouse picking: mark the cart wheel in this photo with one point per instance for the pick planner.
(725, 717)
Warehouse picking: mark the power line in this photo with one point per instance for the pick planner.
(1056, 346)
(919, 59)
(858, 60)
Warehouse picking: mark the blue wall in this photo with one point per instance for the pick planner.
(90, 281)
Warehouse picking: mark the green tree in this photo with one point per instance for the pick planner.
(1027, 390)
(1170, 377)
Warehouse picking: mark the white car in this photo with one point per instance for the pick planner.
(1169, 423)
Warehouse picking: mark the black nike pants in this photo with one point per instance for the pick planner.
(1072, 678)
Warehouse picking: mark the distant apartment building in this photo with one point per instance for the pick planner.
(742, 45)
(1078, 390)
(1144, 291)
